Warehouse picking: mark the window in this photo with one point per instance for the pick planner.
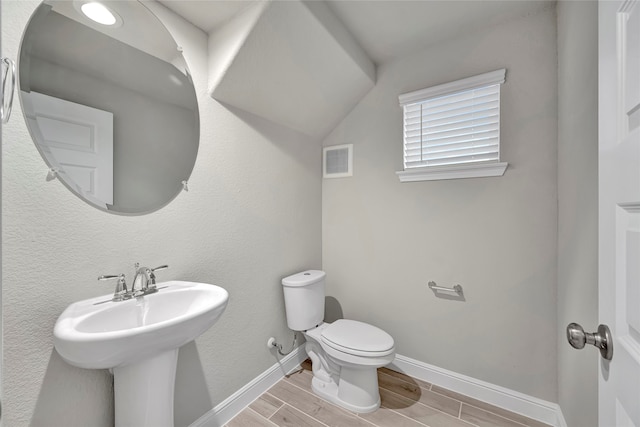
(453, 130)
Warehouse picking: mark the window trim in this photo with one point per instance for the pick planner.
(473, 170)
(434, 173)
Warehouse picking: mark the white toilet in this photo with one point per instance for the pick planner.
(344, 354)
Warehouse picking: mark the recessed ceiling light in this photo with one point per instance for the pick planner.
(99, 13)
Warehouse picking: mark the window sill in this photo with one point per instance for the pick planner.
(436, 173)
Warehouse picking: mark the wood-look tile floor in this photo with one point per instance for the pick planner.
(406, 402)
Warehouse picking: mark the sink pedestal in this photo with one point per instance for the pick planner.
(144, 391)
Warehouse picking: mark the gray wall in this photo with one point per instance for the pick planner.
(383, 240)
(251, 217)
(578, 206)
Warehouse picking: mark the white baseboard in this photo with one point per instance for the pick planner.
(532, 407)
(234, 404)
(561, 421)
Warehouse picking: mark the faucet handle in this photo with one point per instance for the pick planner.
(120, 293)
(152, 276)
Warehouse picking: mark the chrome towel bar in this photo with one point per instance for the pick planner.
(455, 289)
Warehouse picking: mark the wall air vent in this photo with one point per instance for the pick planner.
(337, 161)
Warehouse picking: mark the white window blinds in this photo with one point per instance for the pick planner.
(457, 123)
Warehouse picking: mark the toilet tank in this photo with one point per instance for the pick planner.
(304, 299)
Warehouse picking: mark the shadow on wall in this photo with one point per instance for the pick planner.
(74, 397)
(284, 137)
(332, 310)
(192, 399)
(449, 296)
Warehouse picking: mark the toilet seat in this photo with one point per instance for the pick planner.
(357, 338)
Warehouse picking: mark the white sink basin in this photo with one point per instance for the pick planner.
(95, 334)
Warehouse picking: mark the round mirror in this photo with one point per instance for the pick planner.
(109, 103)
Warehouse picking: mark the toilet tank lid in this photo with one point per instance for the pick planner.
(304, 278)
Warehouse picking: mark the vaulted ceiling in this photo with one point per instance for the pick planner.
(385, 29)
(306, 64)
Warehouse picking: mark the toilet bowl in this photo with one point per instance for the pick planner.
(344, 354)
(344, 358)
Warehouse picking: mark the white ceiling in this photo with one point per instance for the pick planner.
(385, 29)
(390, 29)
(207, 14)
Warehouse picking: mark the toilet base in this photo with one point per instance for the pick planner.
(345, 379)
(354, 387)
(331, 393)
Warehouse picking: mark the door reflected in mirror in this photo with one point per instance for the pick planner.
(111, 108)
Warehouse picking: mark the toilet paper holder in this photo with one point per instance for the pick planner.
(455, 289)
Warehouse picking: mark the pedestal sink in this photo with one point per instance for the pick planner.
(139, 338)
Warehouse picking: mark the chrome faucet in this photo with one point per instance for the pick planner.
(141, 279)
(144, 282)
